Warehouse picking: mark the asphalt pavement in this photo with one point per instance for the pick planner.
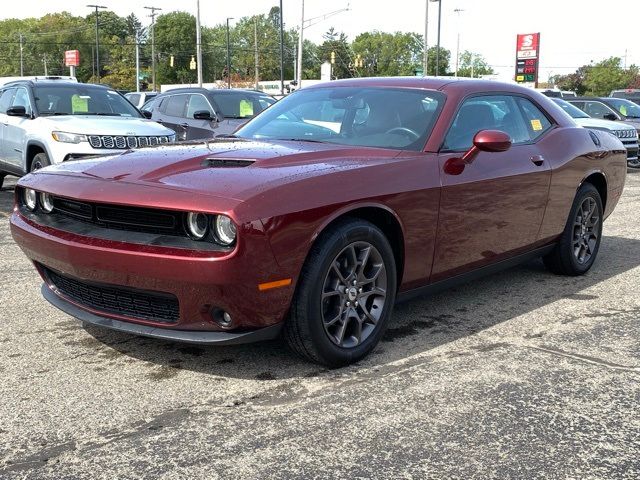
(521, 375)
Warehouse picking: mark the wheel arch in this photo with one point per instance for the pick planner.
(599, 180)
(382, 217)
(33, 148)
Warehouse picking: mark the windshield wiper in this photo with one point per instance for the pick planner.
(101, 114)
(310, 140)
(43, 114)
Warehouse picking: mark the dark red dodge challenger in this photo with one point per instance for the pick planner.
(321, 213)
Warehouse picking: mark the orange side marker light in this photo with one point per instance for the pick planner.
(277, 284)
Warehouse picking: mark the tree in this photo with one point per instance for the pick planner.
(388, 54)
(336, 46)
(445, 55)
(473, 65)
(605, 76)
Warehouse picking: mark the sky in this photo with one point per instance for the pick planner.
(573, 32)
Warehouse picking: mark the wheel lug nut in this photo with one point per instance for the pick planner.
(355, 282)
(360, 290)
(356, 304)
(348, 304)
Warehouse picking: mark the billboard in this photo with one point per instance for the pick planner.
(527, 58)
(72, 58)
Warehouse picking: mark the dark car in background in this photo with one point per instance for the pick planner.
(200, 113)
(609, 108)
(632, 94)
(627, 134)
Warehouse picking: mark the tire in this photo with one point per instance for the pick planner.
(580, 241)
(332, 328)
(634, 163)
(41, 160)
(2, 175)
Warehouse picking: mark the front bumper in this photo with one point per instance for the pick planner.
(203, 282)
(185, 336)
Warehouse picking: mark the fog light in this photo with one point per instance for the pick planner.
(30, 199)
(46, 202)
(221, 317)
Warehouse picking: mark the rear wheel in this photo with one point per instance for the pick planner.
(345, 295)
(579, 243)
(41, 160)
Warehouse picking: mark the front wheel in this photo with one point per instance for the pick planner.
(580, 241)
(345, 295)
(634, 163)
(41, 160)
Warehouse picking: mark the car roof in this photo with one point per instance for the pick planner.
(53, 83)
(216, 91)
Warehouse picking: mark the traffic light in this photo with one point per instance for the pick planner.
(171, 61)
(192, 63)
(333, 58)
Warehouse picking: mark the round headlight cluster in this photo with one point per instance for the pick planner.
(33, 199)
(222, 227)
(30, 199)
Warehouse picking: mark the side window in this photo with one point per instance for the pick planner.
(197, 103)
(596, 109)
(536, 121)
(497, 112)
(175, 105)
(134, 98)
(5, 99)
(22, 99)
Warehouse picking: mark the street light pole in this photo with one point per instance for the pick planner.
(426, 37)
(228, 55)
(300, 40)
(458, 11)
(153, 44)
(97, 7)
(281, 51)
(438, 48)
(198, 43)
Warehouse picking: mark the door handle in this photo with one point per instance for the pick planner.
(537, 160)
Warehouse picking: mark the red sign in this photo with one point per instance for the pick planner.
(527, 57)
(72, 58)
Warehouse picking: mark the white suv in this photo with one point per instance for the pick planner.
(52, 121)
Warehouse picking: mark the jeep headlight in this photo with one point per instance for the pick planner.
(66, 137)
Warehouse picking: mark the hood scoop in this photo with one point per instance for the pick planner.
(226, 162)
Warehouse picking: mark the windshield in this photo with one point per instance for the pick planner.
(573, 111)
(239, 104)
(81, 100)
(625, 107)
(370, 117)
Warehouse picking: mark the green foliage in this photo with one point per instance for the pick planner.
(600, 78)
(473, 64)
(388, 54)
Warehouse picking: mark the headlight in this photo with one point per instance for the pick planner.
(46, 202)
(30, 199)
(197, 225)
(172, 138)
(66, 137)
(225, 230)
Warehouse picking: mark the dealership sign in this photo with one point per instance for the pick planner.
(527, 58)
(72, 58)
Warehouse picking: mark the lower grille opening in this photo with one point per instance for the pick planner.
(132, 303)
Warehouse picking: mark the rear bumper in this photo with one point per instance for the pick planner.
(185, 336)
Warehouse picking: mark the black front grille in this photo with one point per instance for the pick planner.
(131, 303)
(135, 219)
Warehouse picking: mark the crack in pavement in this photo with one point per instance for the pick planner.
(585, 358)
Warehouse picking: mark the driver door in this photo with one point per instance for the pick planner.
(493, 209)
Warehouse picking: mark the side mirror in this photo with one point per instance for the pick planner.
(17, 111)
(483, 141)
(610, 116)
(146, 114)
(202, 115)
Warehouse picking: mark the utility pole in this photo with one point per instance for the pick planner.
(199, 43)
(21, 59)
(281, 51)
(228, 56)
(300, 44)
(44, 60)
(255, 48)
(137, 60)
(153, 44)
(458, 11)
(97, 7)
(438, 50)
(426, 37)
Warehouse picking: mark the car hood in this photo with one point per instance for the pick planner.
(602, 124)
(231, 169)
(103, 125)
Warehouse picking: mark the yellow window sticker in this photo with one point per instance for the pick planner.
(79, 104)
(246, 108)
(536, 125)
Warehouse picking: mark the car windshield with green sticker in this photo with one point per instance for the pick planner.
(82, 100)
